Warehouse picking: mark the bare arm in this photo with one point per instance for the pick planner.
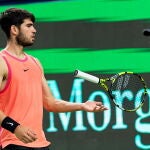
(3, 71)
(54, 105)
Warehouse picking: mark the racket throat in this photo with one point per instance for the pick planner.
(102, 83)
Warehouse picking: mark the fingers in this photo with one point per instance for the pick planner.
(28, 137)
(25, 135)
(31, 134)
(94, 106)
(100, 107)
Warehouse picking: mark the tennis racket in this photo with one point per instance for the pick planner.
(127, 89)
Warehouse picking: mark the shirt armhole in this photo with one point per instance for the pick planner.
(9, 74)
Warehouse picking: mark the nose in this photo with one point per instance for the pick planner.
(34, 30)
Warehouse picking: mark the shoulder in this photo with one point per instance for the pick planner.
(2, 61)
(37, 61)
(32, 57)
(3, 68)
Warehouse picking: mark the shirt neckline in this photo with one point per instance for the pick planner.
(14, 57)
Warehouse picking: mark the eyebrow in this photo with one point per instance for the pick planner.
(31, 24)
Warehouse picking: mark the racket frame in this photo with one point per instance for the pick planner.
(102, 83)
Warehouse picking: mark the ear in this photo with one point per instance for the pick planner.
(14, 30)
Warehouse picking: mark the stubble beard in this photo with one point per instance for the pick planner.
(23, 41)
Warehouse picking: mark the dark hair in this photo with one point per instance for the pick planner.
(14, 16)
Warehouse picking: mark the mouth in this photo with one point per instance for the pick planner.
(33, 38)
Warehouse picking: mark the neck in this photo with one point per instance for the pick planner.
(14, 49)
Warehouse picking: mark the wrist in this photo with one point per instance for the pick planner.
(9, 124)
(81, 106)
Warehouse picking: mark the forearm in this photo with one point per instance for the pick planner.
(2, 117)
(53, 105)
(63, 106)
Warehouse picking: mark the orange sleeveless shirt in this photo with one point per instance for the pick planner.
(21, 98)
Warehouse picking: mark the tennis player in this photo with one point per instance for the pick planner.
(23, 88)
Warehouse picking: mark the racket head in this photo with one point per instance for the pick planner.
(128, 91)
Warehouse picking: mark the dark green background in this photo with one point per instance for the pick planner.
(96, 36)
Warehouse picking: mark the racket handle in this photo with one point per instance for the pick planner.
(86, 76)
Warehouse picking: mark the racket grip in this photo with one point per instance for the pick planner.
(86, 76)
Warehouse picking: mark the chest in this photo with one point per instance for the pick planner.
(27, 72)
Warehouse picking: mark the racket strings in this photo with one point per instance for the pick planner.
(125, 89)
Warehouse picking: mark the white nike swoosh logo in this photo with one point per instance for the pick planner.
(10, 123)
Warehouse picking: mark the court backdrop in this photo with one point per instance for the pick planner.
(101, 37)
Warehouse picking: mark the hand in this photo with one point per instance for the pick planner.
(24, 134)
(93, 106)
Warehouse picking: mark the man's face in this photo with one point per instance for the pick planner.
(26, 34)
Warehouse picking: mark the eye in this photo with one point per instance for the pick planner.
(29, 25)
